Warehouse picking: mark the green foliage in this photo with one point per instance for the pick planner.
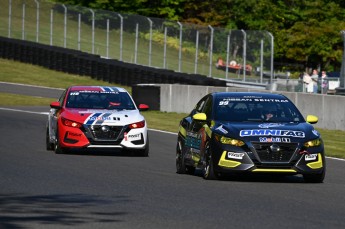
(305, 32)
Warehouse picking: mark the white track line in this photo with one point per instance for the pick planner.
(23, 111)
(28, 85)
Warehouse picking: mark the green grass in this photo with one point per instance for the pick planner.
(17, 72)
(7, 99)
(334, 141)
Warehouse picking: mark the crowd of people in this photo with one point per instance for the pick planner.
(314, 83)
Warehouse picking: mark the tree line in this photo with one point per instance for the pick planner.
(306, 32)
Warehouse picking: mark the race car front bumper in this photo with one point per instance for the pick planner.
(91, 136)
(232, 159)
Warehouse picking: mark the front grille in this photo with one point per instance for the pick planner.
(283, 155)
(108, 133)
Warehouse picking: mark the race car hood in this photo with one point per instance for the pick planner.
(103, 117)
(284, 132)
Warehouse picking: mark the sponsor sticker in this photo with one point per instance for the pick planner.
(267, 132)
(103, 118)
(316, 133)
(73, 135)
(221, 129)
(226, 101)
(274, 139)
(74, 93)
(132, 137)
(310, 157)
(233, 155)
(193, 142)
(97, 111)
(269, 125)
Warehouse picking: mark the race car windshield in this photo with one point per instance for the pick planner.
(100, 100)
(256, 110)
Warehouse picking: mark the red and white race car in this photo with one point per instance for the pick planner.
(96, 117)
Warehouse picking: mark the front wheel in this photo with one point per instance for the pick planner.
(58, 149)
(208, 168)
(145, 152)
(314, 178)
(49, 145)
(180, 164)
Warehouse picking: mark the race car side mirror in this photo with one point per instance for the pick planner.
(55, 105)
(143, 107)
(200, 117)
(312, 119)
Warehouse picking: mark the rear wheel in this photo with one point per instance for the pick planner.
(208, 168)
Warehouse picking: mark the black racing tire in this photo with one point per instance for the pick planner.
(190, 169)
(208, 172)
(145, 152)
(49, 145)
(180, 163)
(315, 178)
(57, 148)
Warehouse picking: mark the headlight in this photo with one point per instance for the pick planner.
(137, 125)
(229, 141)
(71, 123)
(313, 143)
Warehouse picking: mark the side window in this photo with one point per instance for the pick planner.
(208, 107)
(62, 97)
(199, 107)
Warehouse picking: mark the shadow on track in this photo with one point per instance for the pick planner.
(19, 211)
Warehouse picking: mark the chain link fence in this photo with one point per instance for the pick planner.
(237, 55)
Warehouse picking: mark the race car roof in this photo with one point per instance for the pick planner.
(97, 88)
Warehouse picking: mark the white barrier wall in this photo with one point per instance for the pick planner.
(329, 108)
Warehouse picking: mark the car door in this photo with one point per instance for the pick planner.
(196, 134)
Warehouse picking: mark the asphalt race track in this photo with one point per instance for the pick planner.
(39, 189)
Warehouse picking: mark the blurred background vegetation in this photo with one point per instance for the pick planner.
(306, 32)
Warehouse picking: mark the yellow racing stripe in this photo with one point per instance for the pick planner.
(275, 170)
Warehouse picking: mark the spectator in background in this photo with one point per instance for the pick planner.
(308, 85)
(324, 83)
(315, 80)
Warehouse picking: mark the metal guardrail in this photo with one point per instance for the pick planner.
(136, 39)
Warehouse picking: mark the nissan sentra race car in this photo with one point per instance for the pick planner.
(238, 132)
(96, 117)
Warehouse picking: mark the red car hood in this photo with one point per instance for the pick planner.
(104, 117)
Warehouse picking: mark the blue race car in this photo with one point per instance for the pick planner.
(240, 132)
